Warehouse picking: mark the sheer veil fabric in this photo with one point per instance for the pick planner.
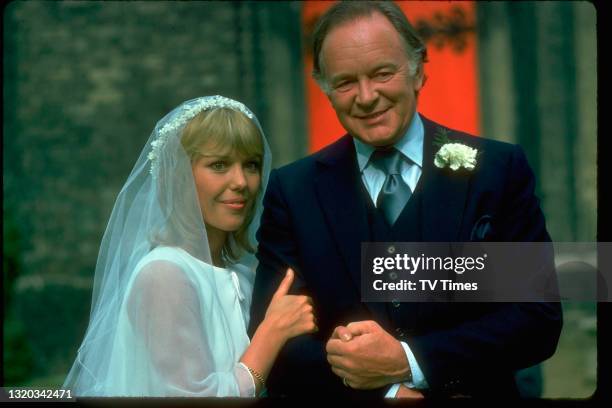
(164, 321)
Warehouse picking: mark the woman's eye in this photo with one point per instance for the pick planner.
(253, 166)
(218, 165)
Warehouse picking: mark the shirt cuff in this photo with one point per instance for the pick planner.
(392, 391)
(418, 378)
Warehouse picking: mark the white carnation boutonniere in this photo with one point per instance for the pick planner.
(452, 154)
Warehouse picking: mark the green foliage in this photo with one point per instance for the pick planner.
(441, 137)
(18, 360)
(57, 317)
(10, 255)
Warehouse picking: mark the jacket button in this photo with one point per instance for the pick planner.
(400, 333)
(393, 275)
(391, 249)
(395, 303)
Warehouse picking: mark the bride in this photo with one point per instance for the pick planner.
(174, 275)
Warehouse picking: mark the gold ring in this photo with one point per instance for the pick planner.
(345, 383)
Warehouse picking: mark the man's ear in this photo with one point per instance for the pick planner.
(323, 86)
(326, 88)
(419, 80)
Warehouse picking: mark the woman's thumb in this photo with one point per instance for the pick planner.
(285, 284)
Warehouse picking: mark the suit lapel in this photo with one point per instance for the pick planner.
(444, 193)
(338, 189)
(341, 198)
(340, 194)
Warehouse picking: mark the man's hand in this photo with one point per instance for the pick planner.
(405, 392)
(366, 356)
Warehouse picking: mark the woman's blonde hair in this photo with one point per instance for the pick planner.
(225, 130)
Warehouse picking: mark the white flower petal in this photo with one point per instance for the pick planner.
(456, 155)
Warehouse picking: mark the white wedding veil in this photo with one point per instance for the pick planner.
(157, 204)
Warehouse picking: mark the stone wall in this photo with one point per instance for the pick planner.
(85, 83)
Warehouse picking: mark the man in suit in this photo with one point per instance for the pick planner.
(379, 183)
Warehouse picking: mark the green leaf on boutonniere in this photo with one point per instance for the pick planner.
(452, 154)
(441, 137)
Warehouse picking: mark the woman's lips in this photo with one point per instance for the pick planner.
(235, 204)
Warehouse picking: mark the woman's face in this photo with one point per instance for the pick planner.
(227, 184)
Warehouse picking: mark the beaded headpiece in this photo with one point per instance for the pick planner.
(187, 113)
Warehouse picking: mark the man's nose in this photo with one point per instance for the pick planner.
(238, 178)
(366, 94)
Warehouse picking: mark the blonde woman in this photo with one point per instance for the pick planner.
(175, 272)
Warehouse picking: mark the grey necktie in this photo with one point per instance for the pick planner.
(395, 193)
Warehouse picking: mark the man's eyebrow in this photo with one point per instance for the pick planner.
(341, 76)
(383, 64)
(377, 67)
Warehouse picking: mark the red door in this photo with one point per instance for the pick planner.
(450, 94)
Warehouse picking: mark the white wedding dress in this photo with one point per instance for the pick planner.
(165, 322)
(182, 329)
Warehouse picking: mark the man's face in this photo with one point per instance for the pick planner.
(365, 64)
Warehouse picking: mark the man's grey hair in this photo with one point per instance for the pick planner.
(346, 11)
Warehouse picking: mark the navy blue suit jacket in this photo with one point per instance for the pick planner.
(314, 220)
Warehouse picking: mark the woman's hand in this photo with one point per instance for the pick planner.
(290, 315)
(287, 316)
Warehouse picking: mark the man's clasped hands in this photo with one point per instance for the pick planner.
(365, 356)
